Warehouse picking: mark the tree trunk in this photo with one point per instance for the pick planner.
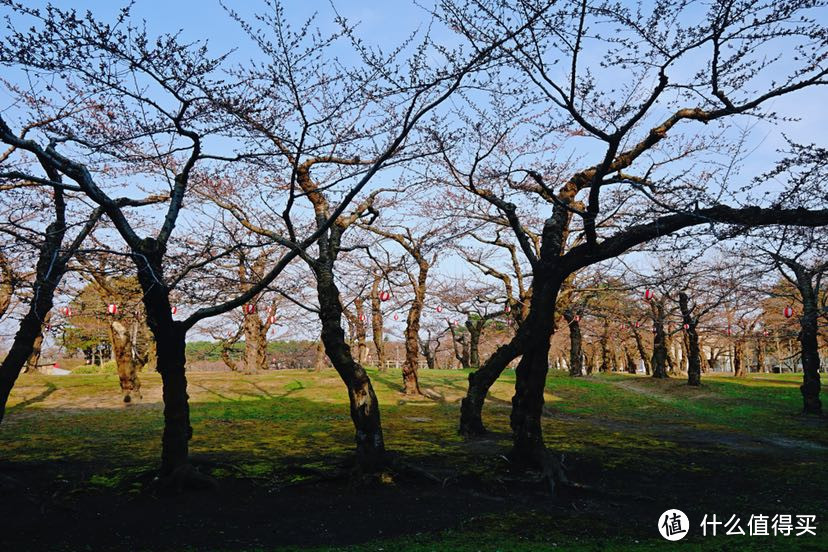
(475, 330)
(628, 355)
(319, 357)
(659, 342)
(49, 271)
(376, 322)
(411, 385)
(738, 360)
(33, 364)
(127, 368)
(693, 349)
(364, 407)
(810, 388)
(530, 383)
(603, 342)
(481, 380)
(361, 332)
(642, 352)
(255, 343)
(576, 355)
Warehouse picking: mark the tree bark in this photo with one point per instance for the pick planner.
(738, 360)
(659, 342)
(642, 352)
(693, 349)
(481, 380)
(170, 343)
(603, 342)
(411, 385)
(475, 328)
(255, 343)
(364, 407)
(808, 332)
(51, 267)
(376, 322)
(122, 345)
(576, 355)
(33, 364)
(527, 403)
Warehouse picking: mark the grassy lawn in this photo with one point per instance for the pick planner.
(733, 446)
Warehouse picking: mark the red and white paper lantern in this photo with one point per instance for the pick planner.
(396, 316)
(788, 312)
(112, 308)
(648, 294)
(686, 326)
(66, 311)
(508, 309)
(174, 310)
(439, 308)
(362, 317)
(249, 308)
(384, 296)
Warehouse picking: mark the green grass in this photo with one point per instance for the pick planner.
(624, 433)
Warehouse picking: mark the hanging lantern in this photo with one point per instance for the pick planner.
(765, 333)
(384, 296)
(270, 309)
(638, 324)
(249, 308)
(648, 294)
(655, 329)
(439, 308)
(362, 317)
(174, 310)
(112, 308)
(577, 318)
(454, 323)
(396, 316)
(48, 327)
(508, 309)
(788, 312)
(686, 326)
(271, 319)
(66, 311)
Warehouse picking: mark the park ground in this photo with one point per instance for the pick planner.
(76, 466)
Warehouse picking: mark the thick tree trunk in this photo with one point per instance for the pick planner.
(364, 407)
(170, 343)
(126, 365)
(255, 343)
(810, 388)
(693, 349)
(530, 383)
(481, 380)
